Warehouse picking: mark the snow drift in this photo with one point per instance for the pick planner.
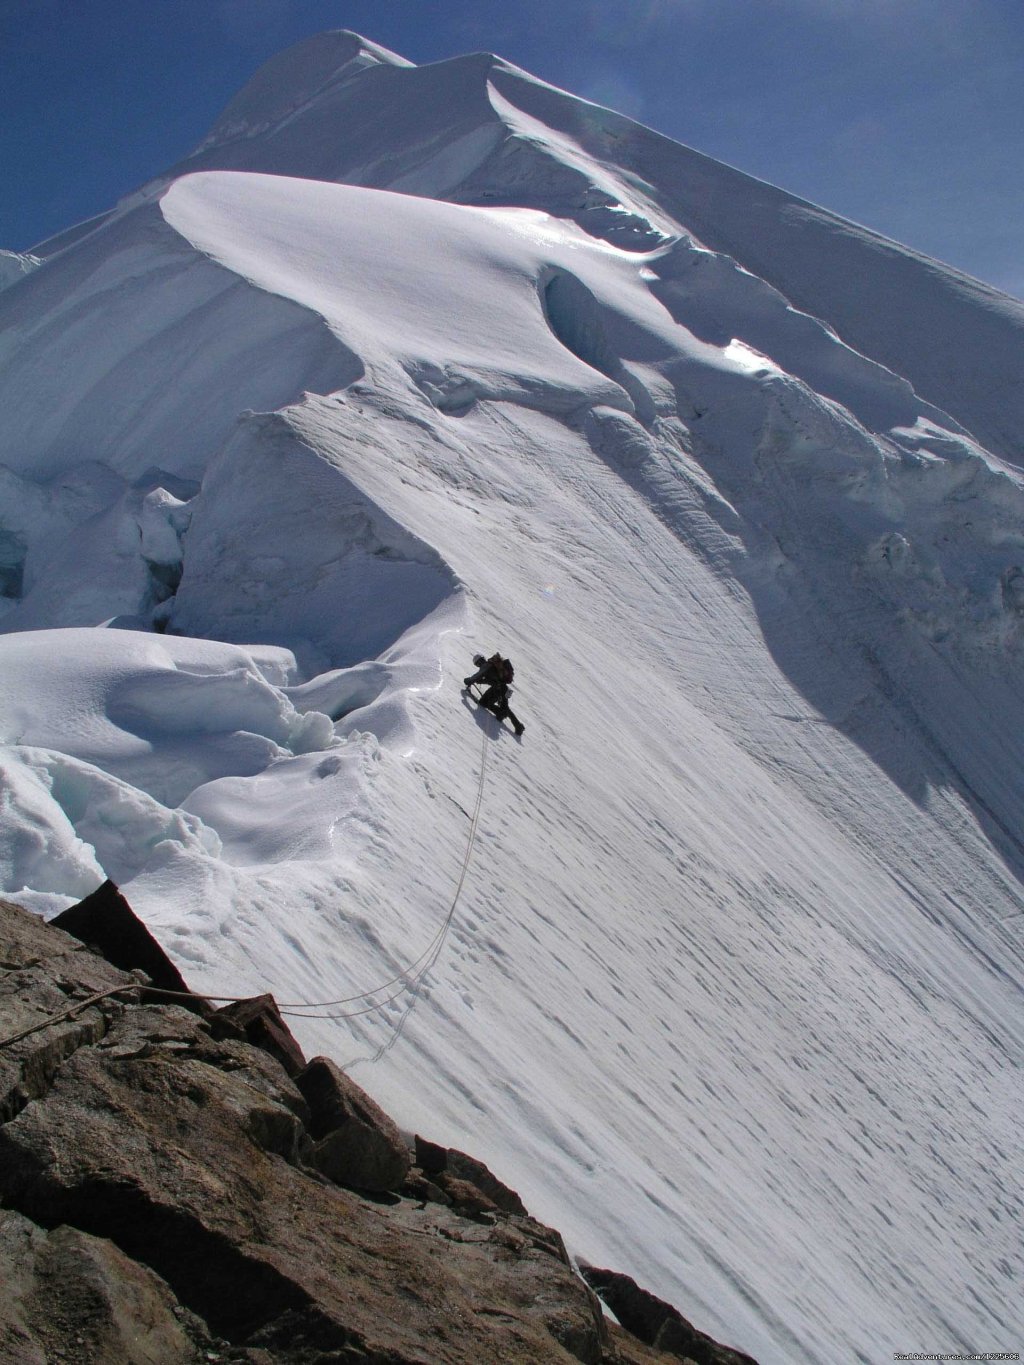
(406, 362)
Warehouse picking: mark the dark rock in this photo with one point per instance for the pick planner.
(261, 1022)
(46, 973)
(625, 1349)
(26, 940)
(167, 1204)
(656, 1322)
(434, 1160)
(544, 1238)
(167, 1158)
(223, 1027)
(257, 1068)
(639, 1312)
(524, 1284)
(181, 1166)
(465, 1196)
(64, 1288)
(430, 1158)
(357, 1144)
(417, 1186)
(105, 921)
(468, 1168)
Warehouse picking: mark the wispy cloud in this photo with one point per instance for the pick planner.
(624, 25)
(962, 26)
(612, 89)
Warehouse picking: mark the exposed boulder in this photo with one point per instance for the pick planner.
(419, 1186)
(106, 922)
(431, 1158)
(357, 1144)
(656, 1322)
(461, 1166)
(261, 1024)
(66, 1296)
(452, 1170)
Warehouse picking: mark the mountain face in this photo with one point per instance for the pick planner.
(720, 965)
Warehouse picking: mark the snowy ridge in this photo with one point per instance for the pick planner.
(479, 130)
(14, 265)
(292, 80)
(733, 993)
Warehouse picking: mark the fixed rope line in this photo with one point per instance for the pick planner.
(70, 1013)
(389, 1042)
(433, 950)
(410, 976)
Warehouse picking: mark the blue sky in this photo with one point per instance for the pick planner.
(905, 115)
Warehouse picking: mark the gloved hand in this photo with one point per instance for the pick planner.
(466, 682)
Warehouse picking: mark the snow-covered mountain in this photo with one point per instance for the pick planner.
(720, 966)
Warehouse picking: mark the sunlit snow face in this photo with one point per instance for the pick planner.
(745, 358)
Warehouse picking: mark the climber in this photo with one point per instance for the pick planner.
(495, 673)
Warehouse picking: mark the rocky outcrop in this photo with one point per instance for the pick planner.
(66, 1296)
(357, 1144)
(105, 921)
(456, 1173)
(656, 1322)
(259, 1022)
(174, 1192)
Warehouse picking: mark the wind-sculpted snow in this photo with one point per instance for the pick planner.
(958, 341)
(435, 307)
(478, 130)
(99, 352)
(127, 749)
(731, 988)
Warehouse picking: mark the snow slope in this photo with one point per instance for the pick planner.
(724, 967)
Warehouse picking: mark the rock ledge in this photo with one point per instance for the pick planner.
(177, 1184)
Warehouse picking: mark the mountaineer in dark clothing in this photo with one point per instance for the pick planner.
(495, 674)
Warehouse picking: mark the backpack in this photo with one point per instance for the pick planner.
(501, 669)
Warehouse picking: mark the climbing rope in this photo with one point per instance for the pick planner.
(410, 976)
(415, 973)
(70, 1013)
(389, 1043)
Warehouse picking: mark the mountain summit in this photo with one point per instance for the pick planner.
(477, 130)
(720, 965)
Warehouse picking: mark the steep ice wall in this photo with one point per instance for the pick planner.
(124, 364)
(283, 550)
